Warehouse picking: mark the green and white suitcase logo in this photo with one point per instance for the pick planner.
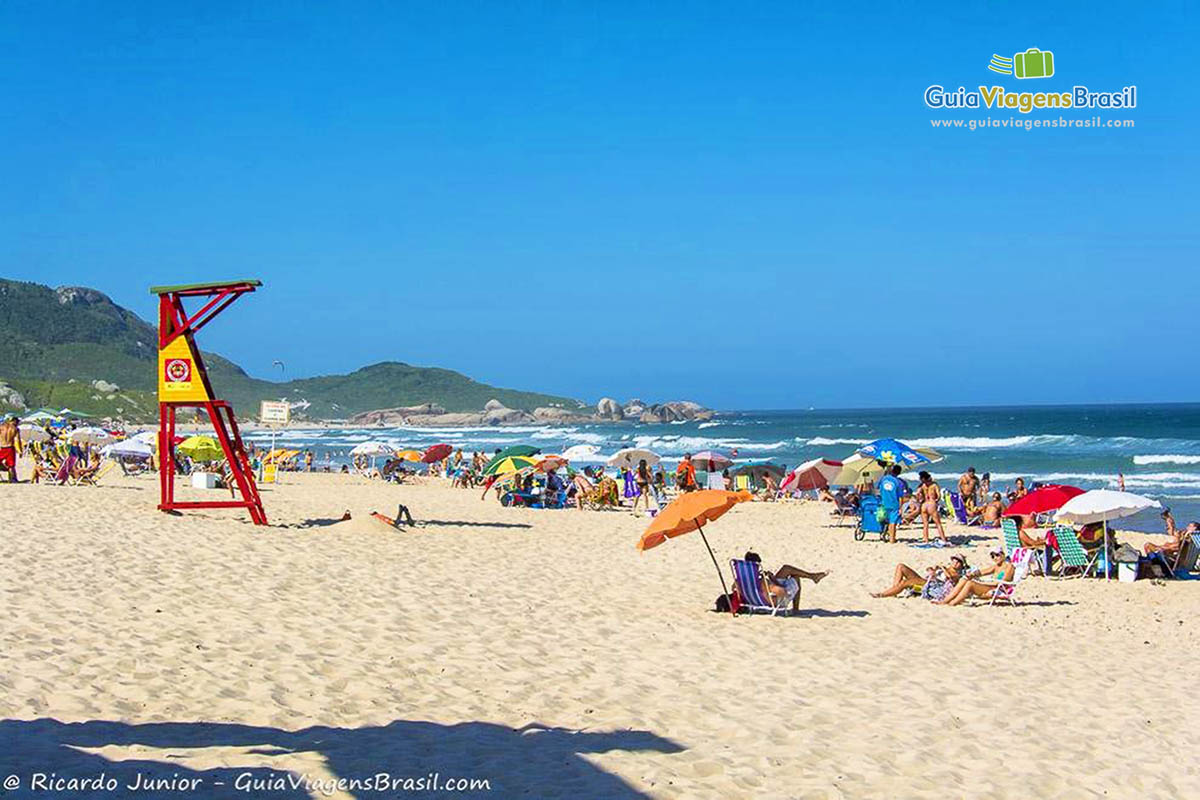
(1033, 63)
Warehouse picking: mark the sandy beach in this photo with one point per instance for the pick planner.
(540, 651)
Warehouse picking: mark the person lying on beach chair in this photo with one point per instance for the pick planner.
(981, 583)
(845, 503)
(937, 582)
(910, 510)
(1175, 537)
(783, 585)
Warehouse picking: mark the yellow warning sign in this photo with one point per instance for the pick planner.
(178, 378)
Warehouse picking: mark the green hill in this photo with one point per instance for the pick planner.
(54, 343)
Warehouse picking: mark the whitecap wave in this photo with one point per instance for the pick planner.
(1166, 459)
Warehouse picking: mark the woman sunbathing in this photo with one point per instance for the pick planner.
(784, 583)
(971, 586)
(905, 577)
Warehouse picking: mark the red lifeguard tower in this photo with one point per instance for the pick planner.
(183, 382)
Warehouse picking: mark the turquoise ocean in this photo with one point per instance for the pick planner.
(1155, 447)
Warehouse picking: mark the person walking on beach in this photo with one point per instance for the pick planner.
(890, 490)
(642, 479)
(930, 495)
(10, 447)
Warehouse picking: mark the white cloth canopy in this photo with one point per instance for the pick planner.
(1101, 505)
(630, 456)
(41, 416)
(581, 452)
(130, 448)
(148, 437)
(375, 448)
(92, 435)
(33, 433)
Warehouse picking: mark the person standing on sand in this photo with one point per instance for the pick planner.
(685, 474)
(930, 495)
(968, 484)
(890, 489)
(10, 447)
(642, 479)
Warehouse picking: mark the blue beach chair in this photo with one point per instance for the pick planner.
(748, 580)
(960, 510)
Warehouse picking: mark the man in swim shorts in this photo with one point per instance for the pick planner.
(10, 446)
(890, 490)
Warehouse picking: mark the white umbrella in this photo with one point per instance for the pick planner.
(630, 456)
(1101, 505)
(130, 448)
(32, 433)
(373, 449)
(815, 474)
(92, 435)
(146, 437)
(581, 452)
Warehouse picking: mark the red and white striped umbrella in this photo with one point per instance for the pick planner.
(815, 474)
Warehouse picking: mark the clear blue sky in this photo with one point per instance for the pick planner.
(741, 203)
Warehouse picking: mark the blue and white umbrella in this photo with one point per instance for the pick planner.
(893, 451)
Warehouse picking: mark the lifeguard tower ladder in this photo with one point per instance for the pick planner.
(183, 382)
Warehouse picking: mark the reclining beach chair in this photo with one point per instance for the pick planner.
(748, 581)
(1006, 590)
(1186, 559)
(1012, 543)
(1072, 554)
(960, 511)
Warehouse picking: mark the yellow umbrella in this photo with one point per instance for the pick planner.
(201, 448)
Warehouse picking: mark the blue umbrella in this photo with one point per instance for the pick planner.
(893, 452)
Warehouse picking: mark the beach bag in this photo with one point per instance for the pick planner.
(881, 515)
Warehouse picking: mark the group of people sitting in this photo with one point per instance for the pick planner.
(954, 582)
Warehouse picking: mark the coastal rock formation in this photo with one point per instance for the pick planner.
(104, 387)
(558, 415)
(634, 408)
(499, 415)
(11, 397)
(609, 409)
(493, 405)
(395, 416)
(675, 411)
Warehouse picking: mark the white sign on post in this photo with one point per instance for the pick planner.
(273, 413)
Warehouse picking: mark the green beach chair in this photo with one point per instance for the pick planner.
(1012, 542)
(1072, 554)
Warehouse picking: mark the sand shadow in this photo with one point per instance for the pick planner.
(459, 523)
(531, 761)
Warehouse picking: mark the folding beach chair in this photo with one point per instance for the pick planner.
(1012, 543)
(960, 511)
(748, 580)
(1071, 552)
(1185, 560)
(1006, 590)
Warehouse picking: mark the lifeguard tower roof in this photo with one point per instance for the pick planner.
(205, 288)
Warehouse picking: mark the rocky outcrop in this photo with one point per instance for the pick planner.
(506, 416)
(675, 411)
(609, 409)
(559, 416)
(633, 409)
(11, 398)
(104, 387)
(493, 405)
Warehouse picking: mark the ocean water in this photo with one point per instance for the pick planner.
(1155, 447)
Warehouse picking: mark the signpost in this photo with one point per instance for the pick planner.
(276, 414)
(183, 382)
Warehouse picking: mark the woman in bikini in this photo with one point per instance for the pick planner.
(906, 577)
(929, 494)
(971, 586)
(641, 477)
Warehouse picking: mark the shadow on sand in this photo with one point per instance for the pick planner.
(533, 761)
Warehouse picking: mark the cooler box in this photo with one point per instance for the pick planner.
(204, 480)
(1127, 573)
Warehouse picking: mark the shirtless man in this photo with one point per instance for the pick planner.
(1175, 540)
(968, 484)
(991, 511)
(10, 447)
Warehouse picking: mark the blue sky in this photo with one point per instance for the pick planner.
(742, 204)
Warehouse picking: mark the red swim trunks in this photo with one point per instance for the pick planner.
(8, 457)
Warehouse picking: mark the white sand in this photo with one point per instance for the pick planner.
(349, 649)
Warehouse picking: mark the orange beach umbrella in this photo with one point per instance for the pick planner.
(689, 512)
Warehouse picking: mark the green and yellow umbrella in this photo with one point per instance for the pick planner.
(201, 448)
(506, 465)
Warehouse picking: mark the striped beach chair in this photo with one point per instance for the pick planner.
(1071, 553)
(749, 581)
(1012, 543)
(1186, 559)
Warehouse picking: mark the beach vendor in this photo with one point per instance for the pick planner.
(890, 490)
(685, 474)
(10, 446)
